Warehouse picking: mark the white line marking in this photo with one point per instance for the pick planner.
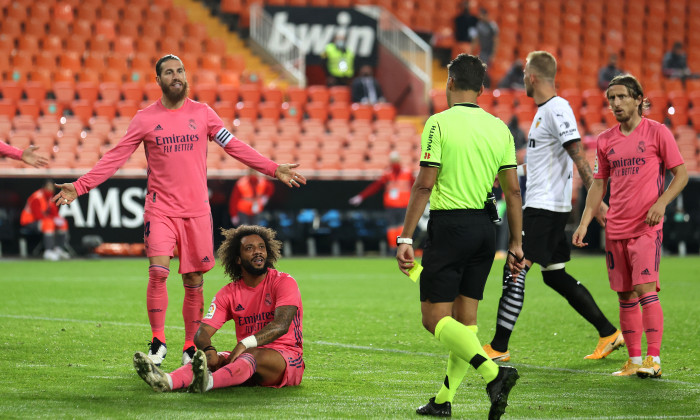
(357, 347)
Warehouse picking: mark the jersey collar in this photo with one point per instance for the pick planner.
(468, 105)
(539, 105)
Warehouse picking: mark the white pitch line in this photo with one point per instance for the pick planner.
(354, 347)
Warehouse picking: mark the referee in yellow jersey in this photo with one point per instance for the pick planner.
(463, 150)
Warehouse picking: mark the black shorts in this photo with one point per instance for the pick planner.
(458, 255)
(544, 237)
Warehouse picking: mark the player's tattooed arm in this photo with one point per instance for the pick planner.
(278, 327)
(575, 150)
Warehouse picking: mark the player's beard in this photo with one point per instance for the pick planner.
(529, 90)
(251, 269)
(175, 97)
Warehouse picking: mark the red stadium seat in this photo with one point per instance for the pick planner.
(384, 111)
(318, 93)
(297, 94)
(317, 111)
(340, 111)
(362, 112)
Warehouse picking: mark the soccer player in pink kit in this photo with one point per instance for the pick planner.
(27, 155)
(174, 131)
(634, 155)
(265, 305)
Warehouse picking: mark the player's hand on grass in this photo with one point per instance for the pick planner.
(602, 213)
(655, 215)
(66, 195)
(404, 256)
(577, 239)
(289, 177)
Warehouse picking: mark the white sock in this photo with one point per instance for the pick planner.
(657, 359)
(210, 382)
(636, 360)
(170, 380)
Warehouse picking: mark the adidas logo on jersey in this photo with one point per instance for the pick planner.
(158, 128)
(239, 308)
(205, 259)
(611, 152)
(646, 272)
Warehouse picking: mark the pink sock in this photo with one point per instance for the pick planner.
(631, 326)
(653, 319)
(157, 299)
(236, 372)
(192, 310)
(182, 376)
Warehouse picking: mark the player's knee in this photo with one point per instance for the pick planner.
(158, 273)
(195, 279)
(553, 275)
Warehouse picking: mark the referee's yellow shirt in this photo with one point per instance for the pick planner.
(469, 146)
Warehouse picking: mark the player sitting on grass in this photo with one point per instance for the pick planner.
(265, 305)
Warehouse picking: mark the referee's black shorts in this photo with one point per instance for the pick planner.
(458, 255)
(544, 236)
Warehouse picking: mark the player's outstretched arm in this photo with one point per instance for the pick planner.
(593, 200)
(289, 177)
(65, 195)
(270, 332)
(33, 159)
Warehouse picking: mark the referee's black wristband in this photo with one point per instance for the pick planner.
(207, 348)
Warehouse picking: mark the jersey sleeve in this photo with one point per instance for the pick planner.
(509, 160)
(113, 159)
(218, 312)
(244, 153)
(214, 123)
(10, 151)
(601, 167)
(668, 148)
(563, 124)
(430, 145)
(287, 292)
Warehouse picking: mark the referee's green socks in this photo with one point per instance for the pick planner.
(456, 369)
(462, 341)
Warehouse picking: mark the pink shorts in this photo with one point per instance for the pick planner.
(295, 367)
(192, 236)
(633, 261)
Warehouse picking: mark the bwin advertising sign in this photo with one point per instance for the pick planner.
(316, 27)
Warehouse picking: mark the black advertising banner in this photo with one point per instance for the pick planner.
(316, 27)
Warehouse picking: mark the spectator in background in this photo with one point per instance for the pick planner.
(514, 78)
(397, 183)
(27, 155)
(249, 197)
(365, 88)
(40, 215)
(339, 62)
(465, 24)
(486, 36)
(607, 73)
(675, 63)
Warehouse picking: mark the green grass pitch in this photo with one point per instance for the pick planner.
(69, 330)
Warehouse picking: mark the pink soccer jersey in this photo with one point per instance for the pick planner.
(636, 165)
(253, 308)
(175, 142)
(10, 151)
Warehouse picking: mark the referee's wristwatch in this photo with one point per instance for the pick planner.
(400, 240)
